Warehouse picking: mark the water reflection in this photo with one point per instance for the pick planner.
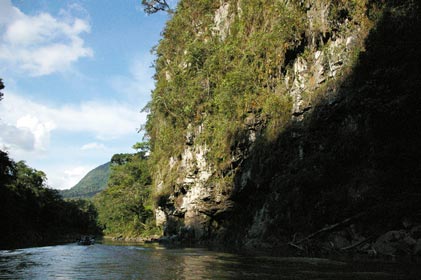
(105, 261)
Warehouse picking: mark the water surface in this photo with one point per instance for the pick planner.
(108, 261)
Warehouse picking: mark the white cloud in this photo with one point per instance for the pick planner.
(104, 120)
(42, 134)
(27, 134)
(28, 127)
(67, 177)
(139, 83)
(13, 137)
(39, 130)
(93, 146)
(40, 44)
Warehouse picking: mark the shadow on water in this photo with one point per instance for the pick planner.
(155, 262)
(358, 153)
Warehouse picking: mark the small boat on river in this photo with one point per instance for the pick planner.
(86, 240)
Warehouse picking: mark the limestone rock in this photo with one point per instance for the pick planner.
(416, 232)
(394, 243)
(417, 248)
(222, 21)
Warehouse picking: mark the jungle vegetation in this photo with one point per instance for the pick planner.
(31, 213)
(125, 207)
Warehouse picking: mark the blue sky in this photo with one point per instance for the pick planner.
(77, 73)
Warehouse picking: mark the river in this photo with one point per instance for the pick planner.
(111, 261)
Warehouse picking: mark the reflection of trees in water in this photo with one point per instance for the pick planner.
(136, 262)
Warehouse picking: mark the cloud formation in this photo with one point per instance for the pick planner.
(93, 146)
(69, 177)
(40, 131)
(16, 138)
(138, 83)
(29, 130)
(34, 122)
(41, 44)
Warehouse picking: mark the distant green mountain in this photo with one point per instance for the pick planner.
(93, 182)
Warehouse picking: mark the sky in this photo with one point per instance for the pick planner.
(77, 74)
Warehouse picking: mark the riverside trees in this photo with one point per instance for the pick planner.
(125, 207)
(31, 213)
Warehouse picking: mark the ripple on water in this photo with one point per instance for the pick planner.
(138, 262)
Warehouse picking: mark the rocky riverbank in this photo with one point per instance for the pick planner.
(135, 239)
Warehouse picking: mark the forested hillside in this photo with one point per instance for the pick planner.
(91, 184)
(272, 119)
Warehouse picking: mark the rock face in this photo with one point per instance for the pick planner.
(345, 143)
(395, 242)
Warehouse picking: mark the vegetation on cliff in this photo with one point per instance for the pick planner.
(298, 114)
(271, 122)
(220, 65)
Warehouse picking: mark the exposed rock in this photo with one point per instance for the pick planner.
(417, 248)
(160, 216)
(339, 240)
(416, 232)
(222, 20)
(394, 243)
(258, 227)
(349, 142)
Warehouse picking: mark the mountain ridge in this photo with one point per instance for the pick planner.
(91, 184)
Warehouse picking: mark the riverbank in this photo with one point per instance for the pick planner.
(332, 241)
(38, 239)
(284, 251)
(135, 239)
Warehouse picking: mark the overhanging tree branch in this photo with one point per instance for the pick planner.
(153, 6)
(1, 87)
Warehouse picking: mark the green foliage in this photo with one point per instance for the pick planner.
(141, 147)
(7, 169)
(153, 6)
(91, 184)
(31, 213)
(225, 83)
(124, 207)
(204, 80)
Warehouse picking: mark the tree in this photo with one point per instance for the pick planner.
(6, 169)
(143, 147)
(124, 207)
(1, 87)
(153, 6)
(6, 166)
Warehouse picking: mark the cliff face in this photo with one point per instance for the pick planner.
(271, 120)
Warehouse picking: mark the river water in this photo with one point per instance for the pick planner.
(110, 261)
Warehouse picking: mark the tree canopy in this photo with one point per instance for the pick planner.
(125, 207)
(31, 213)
